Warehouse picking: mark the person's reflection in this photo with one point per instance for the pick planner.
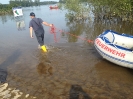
(44, 68)
(76, 92)
(20, 25)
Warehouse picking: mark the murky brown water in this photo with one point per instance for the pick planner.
(72, 69)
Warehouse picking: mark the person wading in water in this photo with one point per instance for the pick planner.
(36, 25)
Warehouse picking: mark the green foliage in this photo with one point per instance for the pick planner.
(76, 9)
(4, 9)
(121, 8)
(116, 8)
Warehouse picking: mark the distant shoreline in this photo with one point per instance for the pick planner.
(7, 8)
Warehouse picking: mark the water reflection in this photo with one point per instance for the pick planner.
(3, 67)
(77, 29)
(44, 68)
(76, 92)
(5, 18)
(112, 72)
(20, 25)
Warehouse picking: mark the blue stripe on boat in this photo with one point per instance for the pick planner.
(126, 35)
(119, 47)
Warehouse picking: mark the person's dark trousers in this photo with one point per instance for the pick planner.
(40, 36)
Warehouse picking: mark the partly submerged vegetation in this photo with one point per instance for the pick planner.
(108, 9)
(4, 9)
(120, 10)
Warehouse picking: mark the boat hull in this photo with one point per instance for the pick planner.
(53, 7)
(114, 54)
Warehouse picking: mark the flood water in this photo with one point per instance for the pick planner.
(72, 68)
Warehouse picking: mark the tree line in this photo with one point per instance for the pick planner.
(7, 8)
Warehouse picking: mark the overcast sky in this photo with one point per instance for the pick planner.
(7, 1)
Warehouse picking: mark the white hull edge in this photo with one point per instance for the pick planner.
(121, 60)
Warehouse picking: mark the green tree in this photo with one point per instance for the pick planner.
(76, 9)
(115, 8)
(102, 9)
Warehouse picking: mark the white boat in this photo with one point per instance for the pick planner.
(115, 47)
